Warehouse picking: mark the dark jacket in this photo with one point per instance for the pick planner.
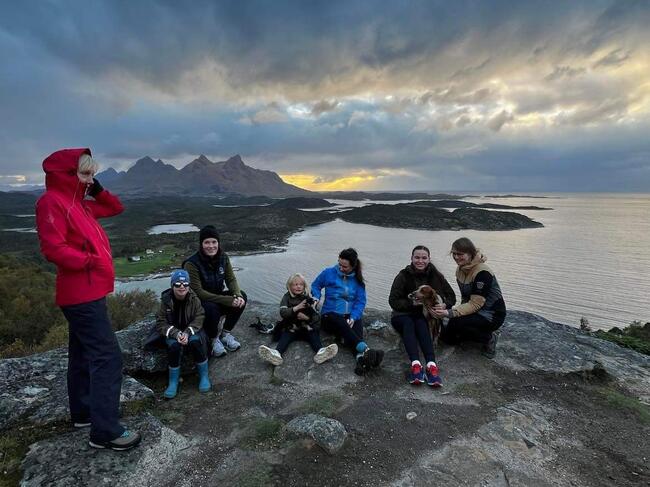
(212, 279)
(167, 326)
(408, 280)
(69, 233)
(290, 321)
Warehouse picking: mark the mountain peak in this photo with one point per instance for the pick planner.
(235, 161)
(203, 158)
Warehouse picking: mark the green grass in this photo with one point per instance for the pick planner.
(631, 404)
(263, 432)
(325, 405)
(641, 345)
(148, 264)
(14, 444)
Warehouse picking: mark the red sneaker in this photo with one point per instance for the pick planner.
(433, 379)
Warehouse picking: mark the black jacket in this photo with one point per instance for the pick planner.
(408, 280)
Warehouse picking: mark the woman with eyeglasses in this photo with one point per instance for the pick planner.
(73, 240)
(342, 309)
(482, 309)
(180, 323)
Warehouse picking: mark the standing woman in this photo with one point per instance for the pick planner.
(482, 309)
(342, 310)
(73, 240)
(214, 282)
(408, 318)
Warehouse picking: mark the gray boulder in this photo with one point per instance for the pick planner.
(530, 342)
(328, 433)
(68, 460)
(34, 389)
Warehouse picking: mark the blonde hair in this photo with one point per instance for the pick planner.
(294, 277)
(87, 163)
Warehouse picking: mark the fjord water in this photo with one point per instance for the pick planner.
(591, 258)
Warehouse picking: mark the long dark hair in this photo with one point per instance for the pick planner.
(353, 258)
(465, 246)
(421, 247)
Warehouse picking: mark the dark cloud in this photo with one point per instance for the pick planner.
(332, 86)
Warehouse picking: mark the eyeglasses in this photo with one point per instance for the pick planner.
(457, 254)
(178, 285)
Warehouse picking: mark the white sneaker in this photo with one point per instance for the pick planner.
(217, 348)
(229, 342)
(270, 355)
(326, 353)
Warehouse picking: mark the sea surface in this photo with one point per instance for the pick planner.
(590, 260)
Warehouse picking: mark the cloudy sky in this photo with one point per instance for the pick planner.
(426, 95)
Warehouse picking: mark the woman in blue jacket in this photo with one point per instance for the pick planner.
(342, 310)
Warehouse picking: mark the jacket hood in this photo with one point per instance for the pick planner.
(479, 258)
(61, 171)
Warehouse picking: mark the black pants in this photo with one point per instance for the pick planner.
(214, 311)
(337, 325)
(471, 328)
(414, 330)
(94, 369)
(310, 336)
(175, 349)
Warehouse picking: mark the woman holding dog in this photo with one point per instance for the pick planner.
(408, 316)
(482, 309)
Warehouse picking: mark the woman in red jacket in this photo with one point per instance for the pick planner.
(73, 240)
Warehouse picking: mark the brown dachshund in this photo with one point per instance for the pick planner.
(428, 298)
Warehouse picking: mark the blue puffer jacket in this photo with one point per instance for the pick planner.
(343, 293)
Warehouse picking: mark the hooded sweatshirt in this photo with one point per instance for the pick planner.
(69, 234)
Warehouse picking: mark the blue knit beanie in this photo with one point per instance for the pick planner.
(179, 275)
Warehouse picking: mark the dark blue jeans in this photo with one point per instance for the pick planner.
(175, 350)
(336, 325)
(94, 369)
(310, 336)
(414, 330)
(214, 311)
(472, 328)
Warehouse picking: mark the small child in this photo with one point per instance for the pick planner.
(300, 321)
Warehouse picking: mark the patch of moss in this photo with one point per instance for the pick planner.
(638, 343)
(14, 445)
(263, 431)
(260, 476)
(620, 401)
(136, 407)
(325, 405)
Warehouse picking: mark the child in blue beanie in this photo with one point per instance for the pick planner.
(180, 322)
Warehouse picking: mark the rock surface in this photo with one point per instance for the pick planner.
(33, 389)
(556, 407)
(68, 460)
(328, 433)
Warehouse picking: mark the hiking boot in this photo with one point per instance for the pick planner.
(490, 348)
(416, 375)
(218, 349)
(229, 342)
(126, 441)
(360, 368)
(326, 353)
(270, 355)
(265, 328)
(433, 377)
(373, 357)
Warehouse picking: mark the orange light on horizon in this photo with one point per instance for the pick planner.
(345, 183)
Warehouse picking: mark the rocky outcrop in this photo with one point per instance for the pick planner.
(33, 389)
(67, 460)
(557, 406)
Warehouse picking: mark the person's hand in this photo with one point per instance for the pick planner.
(350, 322)
(439, 311)
(95, 189)
(302, 316)
(238, 302)
(300, 306)
(181, 338)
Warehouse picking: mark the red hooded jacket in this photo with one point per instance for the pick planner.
(69, 233)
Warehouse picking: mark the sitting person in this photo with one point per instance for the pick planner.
(300, 321)
(342, 310)
(482, 310)
(214, 282)
(180, 321)
(408, 318)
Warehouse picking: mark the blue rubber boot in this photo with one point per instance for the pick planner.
(204, 380)
(172, 388)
